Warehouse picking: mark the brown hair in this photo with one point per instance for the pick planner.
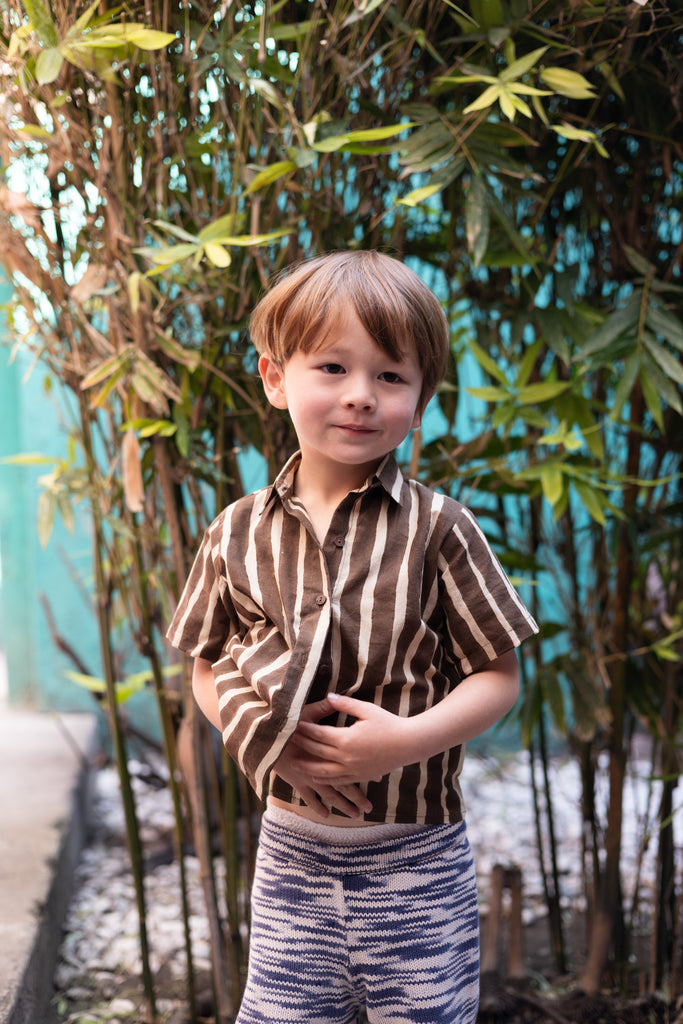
(396, 308)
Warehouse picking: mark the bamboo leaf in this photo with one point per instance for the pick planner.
(114, 365)
(625, 385)
(47, 505)
(552, 482)
(270, 174)
(489, 394)
(568, 83)
(418, 195)
(487, 363)
(477, 219)
(522, 65)
(668, 363)
(41, 19)
(487, 99)
(177, 232)
(543, 391)
(651, 394)
(386, 131)
(48, 65)
(591, 500)
(217, 254)
(172, 348)
(669, 327)
(27, 459)
(221, 228)
(622, 321)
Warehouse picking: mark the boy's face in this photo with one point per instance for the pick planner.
(349, 401)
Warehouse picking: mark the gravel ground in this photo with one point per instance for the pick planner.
(97, 977)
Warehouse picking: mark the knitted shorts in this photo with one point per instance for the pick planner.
(390, 926)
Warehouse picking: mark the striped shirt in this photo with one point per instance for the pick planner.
(402, 600)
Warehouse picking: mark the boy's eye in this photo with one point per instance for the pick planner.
(389, 377)
(332, 368)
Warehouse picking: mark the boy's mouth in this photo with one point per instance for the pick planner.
(355, 428)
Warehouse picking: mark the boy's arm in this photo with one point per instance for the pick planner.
(379, 742)
(204, 689)
(348, 799)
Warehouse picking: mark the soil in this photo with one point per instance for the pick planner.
(543, 996)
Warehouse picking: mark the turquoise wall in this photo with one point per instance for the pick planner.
(29, 422)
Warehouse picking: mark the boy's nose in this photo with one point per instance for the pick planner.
(359, 398)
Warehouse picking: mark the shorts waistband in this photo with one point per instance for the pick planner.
(345, 859)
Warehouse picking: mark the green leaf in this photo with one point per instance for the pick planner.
(489, 394)
(173, 229)
(487, 99)
(172, 348)
(552, 482)
(591, 500)
(568, 83)
(146, 38)
(113, 365)
(529, 359)
(670, 327)
(544, 391)
(625, 385)
(146, 427)
(551, 324)
(217, 254)
(362, 9)
(270, 174)
(47, 506)
(652, 399)
(668, 363)
(487, 363)
(333, 143)
(523, 64)
(41, 19)
(166, 257)
(48, 65)
(477, 219)
(418, 195)
(221, 228)
(27, 459)
(620, 322)
(386, 131)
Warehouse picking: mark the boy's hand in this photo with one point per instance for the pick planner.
(320, 795)
(373, 746)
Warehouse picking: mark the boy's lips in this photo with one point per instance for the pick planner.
(356, 428)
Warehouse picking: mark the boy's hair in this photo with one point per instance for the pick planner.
(396, 308)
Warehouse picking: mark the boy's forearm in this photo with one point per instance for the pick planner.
(379, 741)
(204, 689)
(477, 703)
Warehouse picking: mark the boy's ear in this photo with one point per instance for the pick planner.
(273, 379)
(419, 412)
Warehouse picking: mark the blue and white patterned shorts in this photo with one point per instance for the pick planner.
(390, 926)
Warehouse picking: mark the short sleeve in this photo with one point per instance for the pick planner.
(484, 614)
(205, 619)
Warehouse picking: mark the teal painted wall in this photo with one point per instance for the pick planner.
(29, 422)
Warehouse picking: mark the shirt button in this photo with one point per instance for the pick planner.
(339, 542)
(320, 599)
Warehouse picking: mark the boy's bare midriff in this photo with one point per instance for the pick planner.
(338, 820)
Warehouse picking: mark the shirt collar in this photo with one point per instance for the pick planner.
(387, 475)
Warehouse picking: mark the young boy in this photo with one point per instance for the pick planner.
(352, 630)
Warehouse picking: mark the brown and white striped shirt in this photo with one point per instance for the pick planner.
(403, 599)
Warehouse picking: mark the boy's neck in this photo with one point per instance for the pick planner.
(322, 487)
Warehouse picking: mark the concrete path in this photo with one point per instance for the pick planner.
(44, 800)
